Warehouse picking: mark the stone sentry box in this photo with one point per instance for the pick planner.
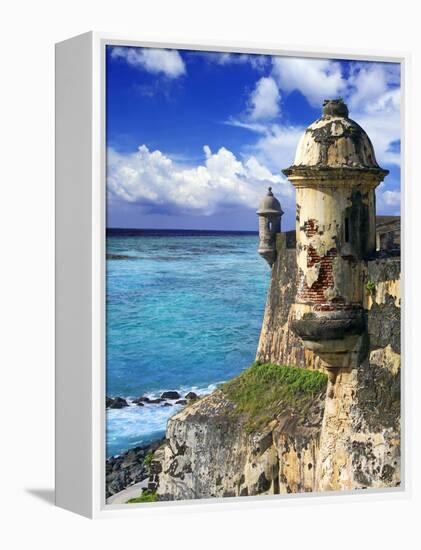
(335, 174)
(270, 214)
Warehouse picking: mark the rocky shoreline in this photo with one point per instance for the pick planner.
(133, 466)
(129, 468)
(166, 399)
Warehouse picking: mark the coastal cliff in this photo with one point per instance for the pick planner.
(258, 434)
(300, 437)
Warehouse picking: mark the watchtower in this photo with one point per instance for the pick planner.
(270, 213)
(335, 174)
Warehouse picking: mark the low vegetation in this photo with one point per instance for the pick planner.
(148, 459)
(146, 496)
(264, 390)
(371, 288)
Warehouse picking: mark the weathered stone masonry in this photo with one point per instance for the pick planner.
(362, 418)
(335, 173)
(209, 454)
(333, 304)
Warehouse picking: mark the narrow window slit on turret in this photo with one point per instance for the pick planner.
(347, 230)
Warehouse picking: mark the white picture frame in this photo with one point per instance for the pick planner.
(80, 272)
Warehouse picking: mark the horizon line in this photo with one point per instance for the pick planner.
(179, 229)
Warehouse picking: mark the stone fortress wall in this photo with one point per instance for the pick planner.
(362, 418)
(349, 440)
(333, 305)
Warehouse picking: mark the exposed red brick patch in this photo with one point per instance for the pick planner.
(310, 227)
(325, 280)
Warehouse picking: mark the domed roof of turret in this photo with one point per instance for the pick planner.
(270, 204)
(335, 141)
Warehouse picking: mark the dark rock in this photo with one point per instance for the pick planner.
(264, 443)
(181, 402)
(140, 404)
(154, 401)
(387, 473)
(379, 399)
(384, 325)
(108, 401)
(128, 468)
(142, 399)
(191, 395)
(167, 404)
(172, 470)
(170, 395)
(155, 468)
(116, 403)
(263, 484)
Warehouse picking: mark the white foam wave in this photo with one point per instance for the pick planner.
(183, 390)
(138, 425)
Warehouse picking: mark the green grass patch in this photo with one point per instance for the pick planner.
(263, 391)
(148, 459)
(146, 496)
(371, 288)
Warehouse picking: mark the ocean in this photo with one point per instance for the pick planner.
(184, 312)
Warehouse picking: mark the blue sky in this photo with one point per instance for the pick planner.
(195, 138)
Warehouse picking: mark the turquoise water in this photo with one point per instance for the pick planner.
(184, 312)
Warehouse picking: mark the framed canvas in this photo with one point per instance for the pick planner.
(228, 275)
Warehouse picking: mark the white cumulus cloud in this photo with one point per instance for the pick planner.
(153, 180)
(374, 101)
(264, 100)
(277, 145)
(316, 79)
(388, 201)
(257, 61)
(391, 198)
(371, 91)
(167, 62)
(369, 82)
